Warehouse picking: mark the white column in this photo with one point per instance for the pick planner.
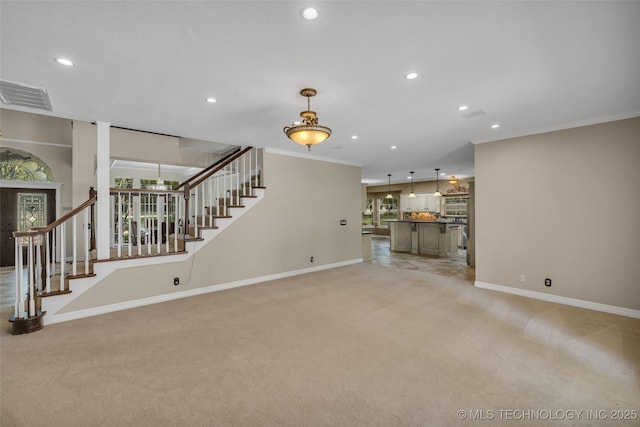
(102, 186)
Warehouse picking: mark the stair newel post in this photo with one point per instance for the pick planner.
(92, 218)
(187, 196)
(87, 251)
(32, 301)
(19, 308)
(47, 258)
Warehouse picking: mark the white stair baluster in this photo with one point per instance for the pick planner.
(158, 224)
(138, 225)
(87, 252)
(167, 211)
(119, 224)
(19, 305)
(74, 242)
(175, 222)
(129, 230)
(211, 200)
(38, 270)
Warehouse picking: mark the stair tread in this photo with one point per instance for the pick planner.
(79, 276)
(126, 257)
(54, 293)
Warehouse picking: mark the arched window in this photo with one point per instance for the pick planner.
(18, 165)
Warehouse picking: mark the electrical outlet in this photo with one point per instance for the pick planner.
(176, 281)
(547, 282)
(523, 278)
(311, 259)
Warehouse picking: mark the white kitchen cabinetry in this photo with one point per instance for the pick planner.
(420, 203)
(456, 206)
(433, 203)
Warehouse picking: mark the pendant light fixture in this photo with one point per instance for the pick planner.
(309, 132)
(389, 195)
(437, 193)
(453, 180)
(159, 185)
(412, 194)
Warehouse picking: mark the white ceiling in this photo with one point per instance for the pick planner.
(531, 66)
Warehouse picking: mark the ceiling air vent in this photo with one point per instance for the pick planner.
(474, 114)
(12, 93)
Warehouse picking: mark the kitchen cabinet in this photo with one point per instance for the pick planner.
(455, 206)
(427, 238)
(420, 203)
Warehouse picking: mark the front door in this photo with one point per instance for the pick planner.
(22, 209)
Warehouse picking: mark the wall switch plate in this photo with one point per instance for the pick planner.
(523, 278)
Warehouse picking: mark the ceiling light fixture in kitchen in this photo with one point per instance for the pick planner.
(437, 193)
(412, 194)
(309, 132)
(389, 195)
(453, 180)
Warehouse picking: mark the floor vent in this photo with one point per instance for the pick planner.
(12, 93)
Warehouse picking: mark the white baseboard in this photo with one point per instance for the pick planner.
(621, 311)
(51, 318)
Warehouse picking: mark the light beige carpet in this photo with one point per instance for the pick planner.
(362, 345)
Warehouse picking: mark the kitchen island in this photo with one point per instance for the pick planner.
(425, 237)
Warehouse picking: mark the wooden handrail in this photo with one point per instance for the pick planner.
(136, 191)
(230, 159)
(208, 168)
(42, 230)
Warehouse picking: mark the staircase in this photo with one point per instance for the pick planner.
(57, 263)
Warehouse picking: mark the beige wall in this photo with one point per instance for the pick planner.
(299, 217)
(546, 207)
(48, 138)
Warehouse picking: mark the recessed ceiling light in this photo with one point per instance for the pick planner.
(211, 100)
(354, 136)
(442, 174)
(393, 147)
(309, 13)
(462, 107)
(64, 61)
(296, 122)
(411, 76)
(495, 126)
